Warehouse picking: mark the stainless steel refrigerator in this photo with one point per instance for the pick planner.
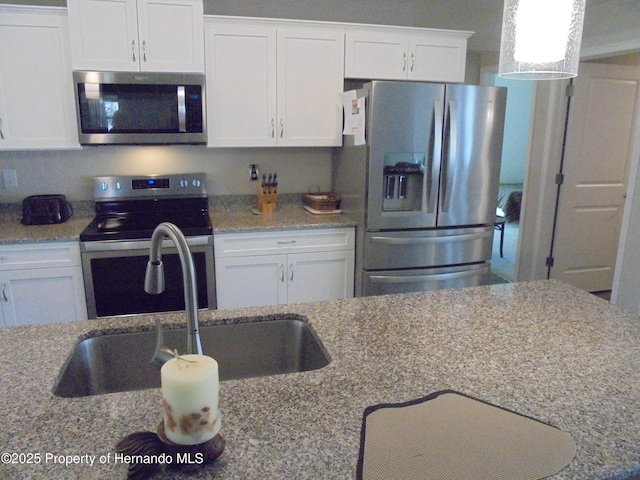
(424, 186)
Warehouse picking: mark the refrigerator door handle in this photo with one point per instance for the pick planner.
(426, 240)
(452, 146)
(438, 277)
(430, 189)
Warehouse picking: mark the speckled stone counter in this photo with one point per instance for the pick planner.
(234, 214)
(230, 213)
(542, 349)
(12, 231)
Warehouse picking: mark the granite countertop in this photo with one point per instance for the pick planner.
(288, 217)
(543, 349)
(230, 213)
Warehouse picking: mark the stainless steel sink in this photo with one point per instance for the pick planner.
(258, 347)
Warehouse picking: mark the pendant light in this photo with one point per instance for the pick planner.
(541, 39)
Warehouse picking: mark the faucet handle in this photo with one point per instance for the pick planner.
(162, 354)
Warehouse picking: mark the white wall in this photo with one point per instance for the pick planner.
(626, 282)
(515, 146)
(70, 172)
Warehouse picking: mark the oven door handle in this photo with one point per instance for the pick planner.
(120, 245)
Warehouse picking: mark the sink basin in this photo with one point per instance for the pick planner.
(257, 347)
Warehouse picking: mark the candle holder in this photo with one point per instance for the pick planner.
(183, 458)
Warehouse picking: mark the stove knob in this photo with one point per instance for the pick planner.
(196, 183)
(104, 186)
(184, 183)
(117, 186)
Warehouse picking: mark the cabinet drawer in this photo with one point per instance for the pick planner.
(283, 241)
(39, 255)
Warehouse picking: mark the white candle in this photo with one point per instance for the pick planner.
(190, 399)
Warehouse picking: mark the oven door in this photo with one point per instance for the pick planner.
(114, 277)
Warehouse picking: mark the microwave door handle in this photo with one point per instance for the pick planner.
(430, 190)
(182, 109)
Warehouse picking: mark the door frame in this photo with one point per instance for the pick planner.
(540, 191)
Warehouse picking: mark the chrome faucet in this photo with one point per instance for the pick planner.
(154, 284)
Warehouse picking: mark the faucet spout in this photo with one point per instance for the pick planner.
(154, 284)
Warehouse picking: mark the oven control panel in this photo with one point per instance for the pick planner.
(145, 186)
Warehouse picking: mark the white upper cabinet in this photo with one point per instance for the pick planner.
(270, 84)
(310, 78)
(137, 35)
(36, 89)
(390, 53)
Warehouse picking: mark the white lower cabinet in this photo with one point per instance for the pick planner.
(270, 268)
(41, 283)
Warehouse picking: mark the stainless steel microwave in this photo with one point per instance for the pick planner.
(140, 108)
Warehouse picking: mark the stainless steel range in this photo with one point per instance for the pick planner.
(115, 245)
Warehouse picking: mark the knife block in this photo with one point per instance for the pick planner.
(267, 202)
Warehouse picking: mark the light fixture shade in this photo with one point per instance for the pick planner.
(541, 39)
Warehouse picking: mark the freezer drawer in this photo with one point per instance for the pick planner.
(427, 248)
(405, 281)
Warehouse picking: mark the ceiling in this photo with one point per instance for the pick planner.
(606, 22)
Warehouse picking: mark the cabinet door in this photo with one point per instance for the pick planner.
(320, 276)
(437, 58)
(104, 35)
(241, 86)
(376, 56)
(42, 296)
(36, 90)
(310, 79)
(171, 35)
(251, 281)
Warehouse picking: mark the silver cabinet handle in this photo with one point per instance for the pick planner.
(283, 242)
(282, 272)
(273, 127)
(144, 50)
(413, 61)
(291, 272)
(281, 128)
(4, 292)
(404, 61)
(133, 50)
(1, 134)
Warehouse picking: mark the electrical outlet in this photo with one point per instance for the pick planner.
(10, 178)
(253, 172)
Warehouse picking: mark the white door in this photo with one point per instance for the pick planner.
(171, 35)
(42, 296)
(310, 79)
(241, 85)
(320, 276)
(436, 59)
(36, 91)
(251, 281)
(376, 55)
(598, 153)
(104, 35)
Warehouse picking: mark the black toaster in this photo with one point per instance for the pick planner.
(45, 209)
